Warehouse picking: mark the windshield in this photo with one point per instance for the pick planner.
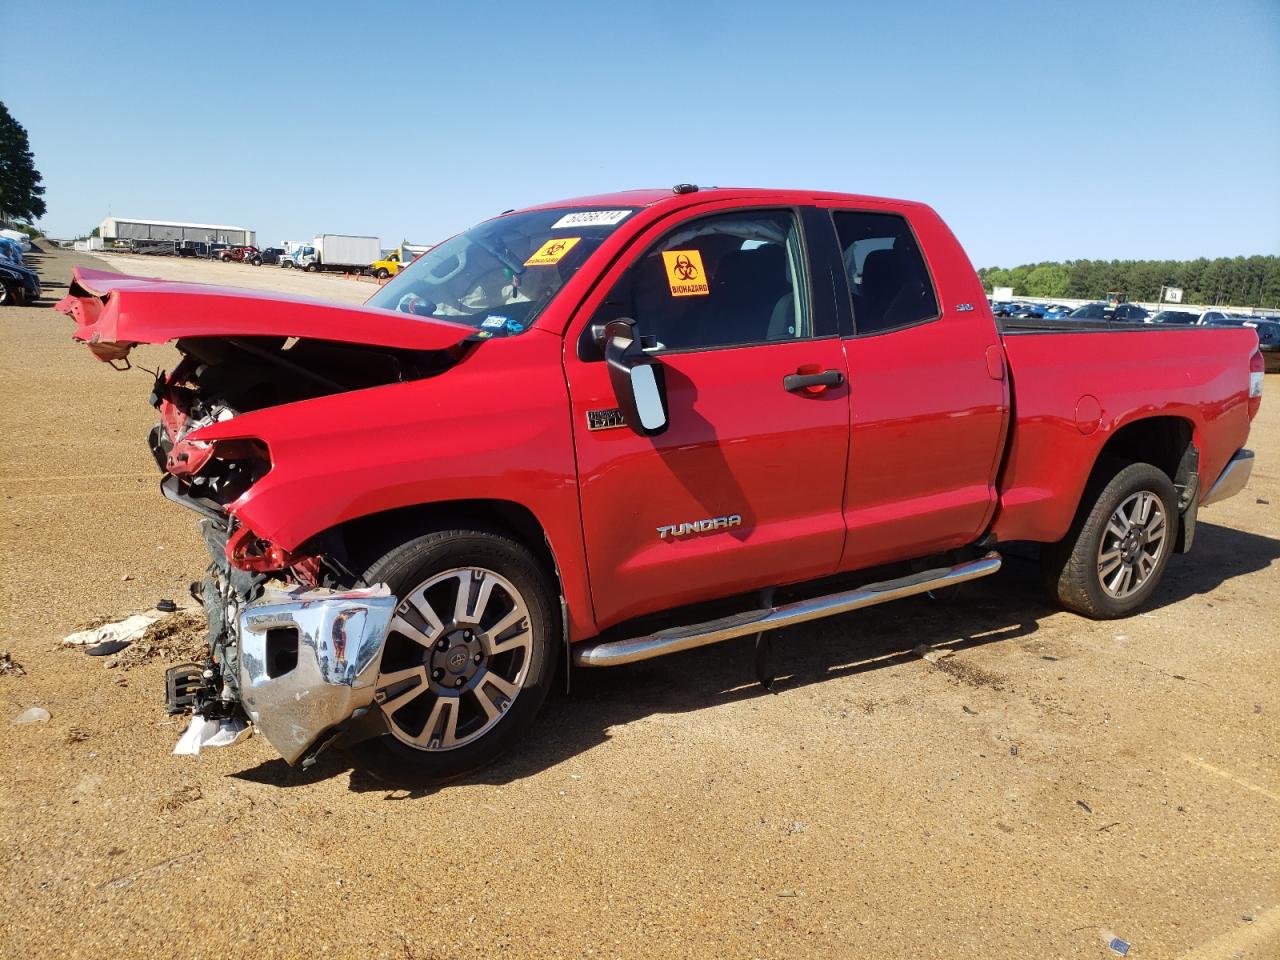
(498, 276)
(1090, 311)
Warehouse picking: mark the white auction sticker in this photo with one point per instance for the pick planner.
(591, 218)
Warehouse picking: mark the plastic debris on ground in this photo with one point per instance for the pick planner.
(924, 652)
(1119, 946)
(220, 732)
(128, 630)
(10, 665)
(32, 715)
(107, 648)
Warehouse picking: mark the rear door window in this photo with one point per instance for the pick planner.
(888, 279)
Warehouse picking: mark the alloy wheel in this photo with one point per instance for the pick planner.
(1133, 544)
(457, 655)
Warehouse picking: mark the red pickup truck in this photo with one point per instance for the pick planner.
(612, 428)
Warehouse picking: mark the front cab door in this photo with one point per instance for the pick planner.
(744, 488)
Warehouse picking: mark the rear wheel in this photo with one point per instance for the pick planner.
(1113, 557)
(470, 654)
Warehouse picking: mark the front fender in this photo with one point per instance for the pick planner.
(494, 427)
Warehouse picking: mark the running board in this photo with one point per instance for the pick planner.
(612, 653)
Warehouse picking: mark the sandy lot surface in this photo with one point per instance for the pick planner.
(1054, 784)
(327, 286)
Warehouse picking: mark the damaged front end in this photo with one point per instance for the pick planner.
(295, 638)
(307, 661)
(297, 661)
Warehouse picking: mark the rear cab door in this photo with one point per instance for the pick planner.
(744, 489)
(929, 397)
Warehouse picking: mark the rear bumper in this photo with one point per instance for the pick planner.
(309, 659)
(1233, 478)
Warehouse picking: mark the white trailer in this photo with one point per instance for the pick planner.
(338, 251)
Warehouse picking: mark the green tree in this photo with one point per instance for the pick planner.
(21, 192)
(1047, 280)
(1235, 281)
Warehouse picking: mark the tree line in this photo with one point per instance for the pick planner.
(21, 192)
(1235, 281)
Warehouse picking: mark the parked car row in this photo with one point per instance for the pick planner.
(1267, 326)
(18, 282)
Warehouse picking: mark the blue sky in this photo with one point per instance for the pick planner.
(1038, 130)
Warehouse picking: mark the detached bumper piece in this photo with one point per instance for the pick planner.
(309, 659)
(1233, 479)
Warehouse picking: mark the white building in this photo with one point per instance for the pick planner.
(125, 228)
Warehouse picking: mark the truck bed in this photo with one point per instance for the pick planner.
(1071, 396)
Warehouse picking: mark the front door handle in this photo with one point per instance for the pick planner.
(807, 381)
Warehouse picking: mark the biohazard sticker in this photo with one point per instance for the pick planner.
(553, 251)
(685, 274)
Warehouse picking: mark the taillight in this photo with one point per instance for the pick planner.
(1256, 372)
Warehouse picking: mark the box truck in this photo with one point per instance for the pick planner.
(336, 251)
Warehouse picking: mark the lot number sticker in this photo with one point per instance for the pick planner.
(553, 251)
(685, 275)
(591, 218)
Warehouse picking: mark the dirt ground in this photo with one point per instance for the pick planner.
(328, 286)
(1054, 784)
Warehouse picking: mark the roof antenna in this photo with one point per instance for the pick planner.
(685, 188)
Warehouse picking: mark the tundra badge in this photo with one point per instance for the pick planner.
(673, 530)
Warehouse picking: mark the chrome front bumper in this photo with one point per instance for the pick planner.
(309, 659)
(1233, 478)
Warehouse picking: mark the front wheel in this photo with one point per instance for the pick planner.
(470, 654)
(1113, 557)
(382, 273)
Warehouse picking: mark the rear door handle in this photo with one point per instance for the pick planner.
(812, 382)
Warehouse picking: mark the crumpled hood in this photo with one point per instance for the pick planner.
(114, 311)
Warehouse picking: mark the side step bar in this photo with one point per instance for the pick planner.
(612, 653)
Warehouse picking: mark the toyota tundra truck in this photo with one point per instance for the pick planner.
(607, 429)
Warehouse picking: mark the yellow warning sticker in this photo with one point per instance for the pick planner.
(552, 251)
(685, 274)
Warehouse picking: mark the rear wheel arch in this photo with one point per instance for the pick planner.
(1162, 441)
(1167, 442)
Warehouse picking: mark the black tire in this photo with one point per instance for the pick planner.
(7, 297)
(382, 273)
(312, 268)
(408, 565)
(1073, 568)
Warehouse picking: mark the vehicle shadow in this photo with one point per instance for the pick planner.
(1005, 607)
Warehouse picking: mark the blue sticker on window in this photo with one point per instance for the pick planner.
(515, 326)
